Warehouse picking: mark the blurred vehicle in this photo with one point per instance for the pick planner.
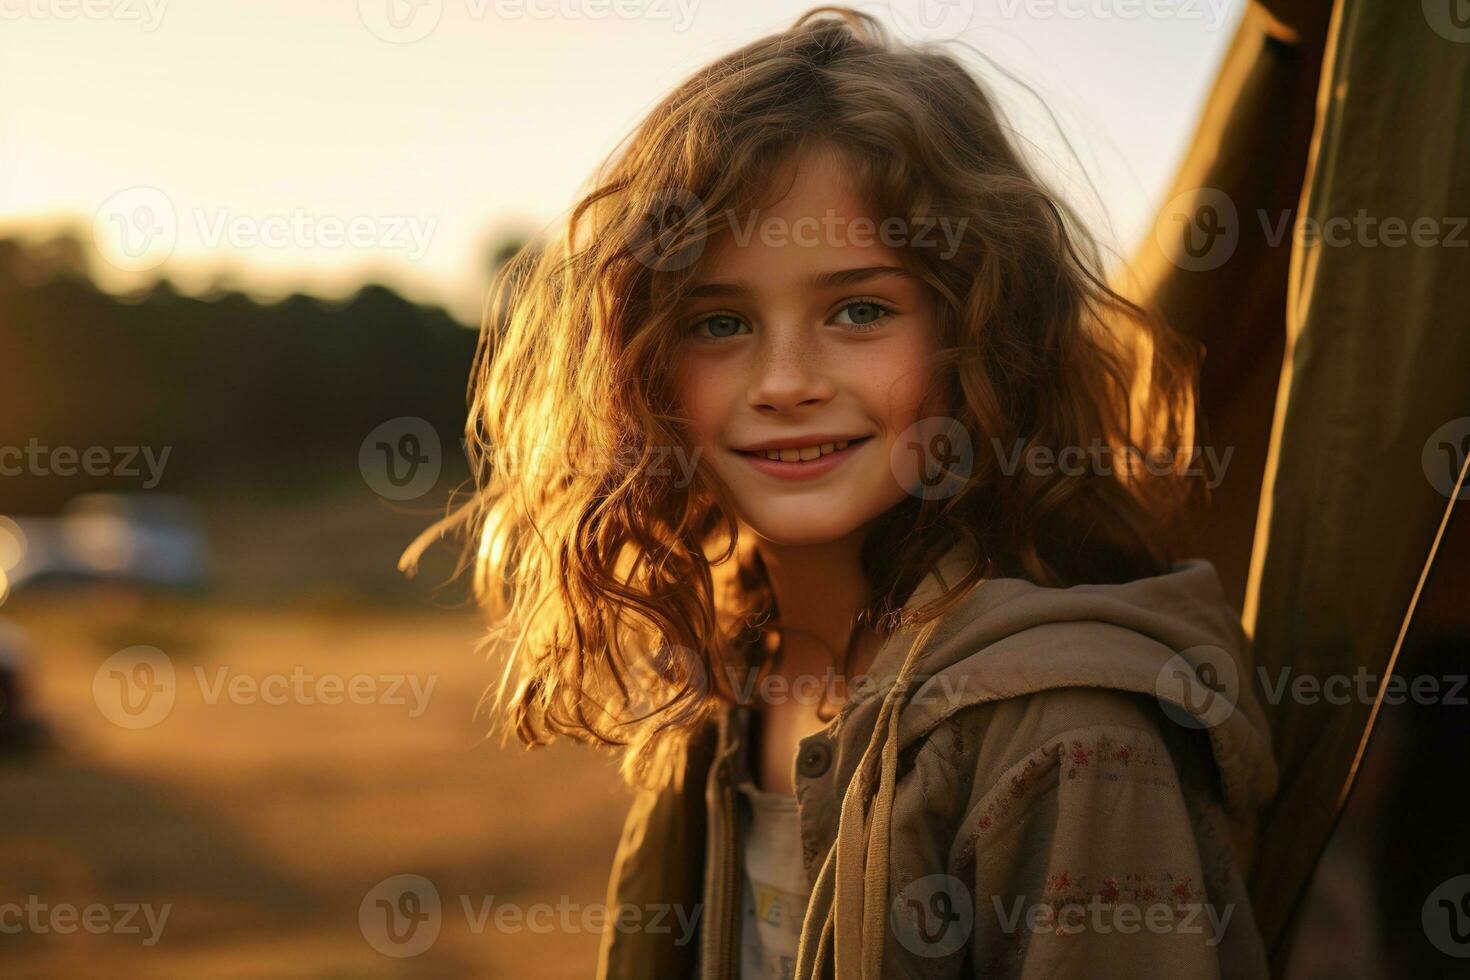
(21, 730)
(139, 542)
(147, 540)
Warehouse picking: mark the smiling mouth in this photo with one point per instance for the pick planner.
(803, 454)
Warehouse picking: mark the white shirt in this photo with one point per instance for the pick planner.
(776, 890)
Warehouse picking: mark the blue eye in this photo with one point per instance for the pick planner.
(719, 326)
(863, 313)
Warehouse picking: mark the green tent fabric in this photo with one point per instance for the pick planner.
(1338, 364)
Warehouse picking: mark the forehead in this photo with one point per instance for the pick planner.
(822, 219)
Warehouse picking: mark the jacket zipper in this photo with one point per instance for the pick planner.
(732, 886)
(726, 879)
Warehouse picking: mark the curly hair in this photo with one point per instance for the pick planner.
(612, 587)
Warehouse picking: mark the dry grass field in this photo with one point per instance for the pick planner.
(263, 826)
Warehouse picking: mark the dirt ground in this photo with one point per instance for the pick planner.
(264, 828)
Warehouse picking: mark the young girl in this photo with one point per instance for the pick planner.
(811, 470)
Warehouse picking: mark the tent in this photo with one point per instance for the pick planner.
(1315, 243)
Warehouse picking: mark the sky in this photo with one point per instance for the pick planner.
(311, 145)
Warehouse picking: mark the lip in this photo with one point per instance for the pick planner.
(797, 442)
(803, 469)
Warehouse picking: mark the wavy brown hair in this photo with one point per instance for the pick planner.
(621, 592)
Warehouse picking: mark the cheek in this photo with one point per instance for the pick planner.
(703, 398)
(895, 383)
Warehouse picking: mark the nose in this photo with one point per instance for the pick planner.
(789, 373)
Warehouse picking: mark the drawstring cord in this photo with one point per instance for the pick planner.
(852, 886)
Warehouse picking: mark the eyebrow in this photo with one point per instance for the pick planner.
(838, 277)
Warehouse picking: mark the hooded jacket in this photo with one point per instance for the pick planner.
(1045, 787)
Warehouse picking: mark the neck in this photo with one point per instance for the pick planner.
(819, 590)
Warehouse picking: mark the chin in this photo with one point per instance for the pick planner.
(805, 523)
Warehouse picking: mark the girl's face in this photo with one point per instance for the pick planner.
(805, 337)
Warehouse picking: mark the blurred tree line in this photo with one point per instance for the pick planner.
(259, 397)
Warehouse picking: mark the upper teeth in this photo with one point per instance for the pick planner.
(806, 452)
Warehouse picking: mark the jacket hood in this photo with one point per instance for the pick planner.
(1172, 637)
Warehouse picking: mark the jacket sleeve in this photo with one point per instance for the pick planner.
(659, 869)
(1099, 853)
